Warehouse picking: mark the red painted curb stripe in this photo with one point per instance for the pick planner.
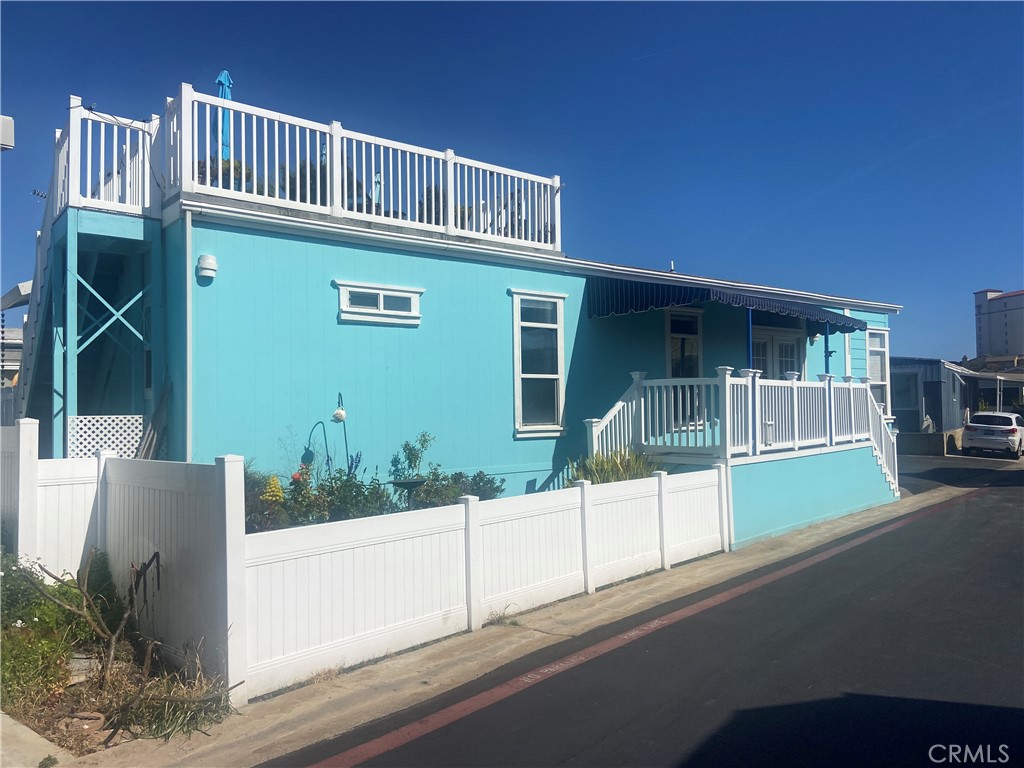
(459, 710)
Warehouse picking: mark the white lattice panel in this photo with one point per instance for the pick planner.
(88, 434)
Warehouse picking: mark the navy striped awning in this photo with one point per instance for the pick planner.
(608, 296)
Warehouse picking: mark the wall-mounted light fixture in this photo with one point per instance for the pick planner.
(207, 266)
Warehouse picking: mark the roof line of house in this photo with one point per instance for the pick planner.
(268, 220)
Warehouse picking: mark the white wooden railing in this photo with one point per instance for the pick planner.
(242, 152)
(616, 431)
(681, 414)
(743, 416)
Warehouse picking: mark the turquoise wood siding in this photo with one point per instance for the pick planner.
(773, 497)
(270, 357)
(858, 341)
(171, 339)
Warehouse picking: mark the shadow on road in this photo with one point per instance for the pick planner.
(966, 477)
(859, 730)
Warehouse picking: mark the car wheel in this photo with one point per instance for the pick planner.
(1020, 450)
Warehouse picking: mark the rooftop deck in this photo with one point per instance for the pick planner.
(244, 154)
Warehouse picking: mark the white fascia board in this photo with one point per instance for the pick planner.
(553, 263)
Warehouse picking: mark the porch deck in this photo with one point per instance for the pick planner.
(735, 416)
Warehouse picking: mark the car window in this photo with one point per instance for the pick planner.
(991, 420)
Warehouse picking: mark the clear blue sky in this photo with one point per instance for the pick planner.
(871, 150)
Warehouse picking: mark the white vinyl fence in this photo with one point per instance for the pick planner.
(49, 504)
(266, 610)
(341, 593)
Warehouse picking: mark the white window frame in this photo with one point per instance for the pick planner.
(698, 315)
(887, 383)
(349, 313)
(537, 430)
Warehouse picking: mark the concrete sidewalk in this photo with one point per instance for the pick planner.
(290, 721)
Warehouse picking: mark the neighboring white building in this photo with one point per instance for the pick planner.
(999, 322)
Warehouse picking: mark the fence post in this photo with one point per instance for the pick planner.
(101, 497)
(28, 487)
(848, 380)
(662, 476)
(826, 378)
(556, 202)
(338, 177)
(75, 154)
(474, 563)
(793, 377)
(748, 376)
(586, 531)
(755, 435)
(725, 406)
(449, 197)
(638, 409)
(185, 140)
(724, 504)
(231, 494)
(592, 437)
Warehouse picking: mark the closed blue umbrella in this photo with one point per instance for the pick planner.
(224, 83)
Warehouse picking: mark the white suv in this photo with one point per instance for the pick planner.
(994, 431)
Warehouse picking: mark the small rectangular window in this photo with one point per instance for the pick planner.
(387, 304)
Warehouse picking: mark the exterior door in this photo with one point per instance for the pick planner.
(776, 353)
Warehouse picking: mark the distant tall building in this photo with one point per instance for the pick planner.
(999, 322)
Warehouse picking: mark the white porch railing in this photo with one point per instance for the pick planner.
(743, 416)
(237, 151)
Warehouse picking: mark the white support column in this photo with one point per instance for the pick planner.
(748, 375)
(586, 531)
(28, 487)
(449, 197)
(793, 377)
(338, 176)
(591, 436)
(662, 513)
(474, 563)
(826, 378)
(185, 153)
(75, 153)
(638, 410)
(101, 497)
(755, 435)
(556, 202)
(725, 415)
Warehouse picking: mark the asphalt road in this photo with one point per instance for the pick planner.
(897, 646)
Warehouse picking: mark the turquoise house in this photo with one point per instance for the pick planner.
(223, 278)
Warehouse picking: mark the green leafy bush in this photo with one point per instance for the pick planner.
(611, 468)
(33, 664)
(316, 495)
(440, 488)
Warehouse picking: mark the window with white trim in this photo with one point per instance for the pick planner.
(878, 367)
(539, 362)
(389, 304)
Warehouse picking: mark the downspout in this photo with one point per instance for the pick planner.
(828, 354)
